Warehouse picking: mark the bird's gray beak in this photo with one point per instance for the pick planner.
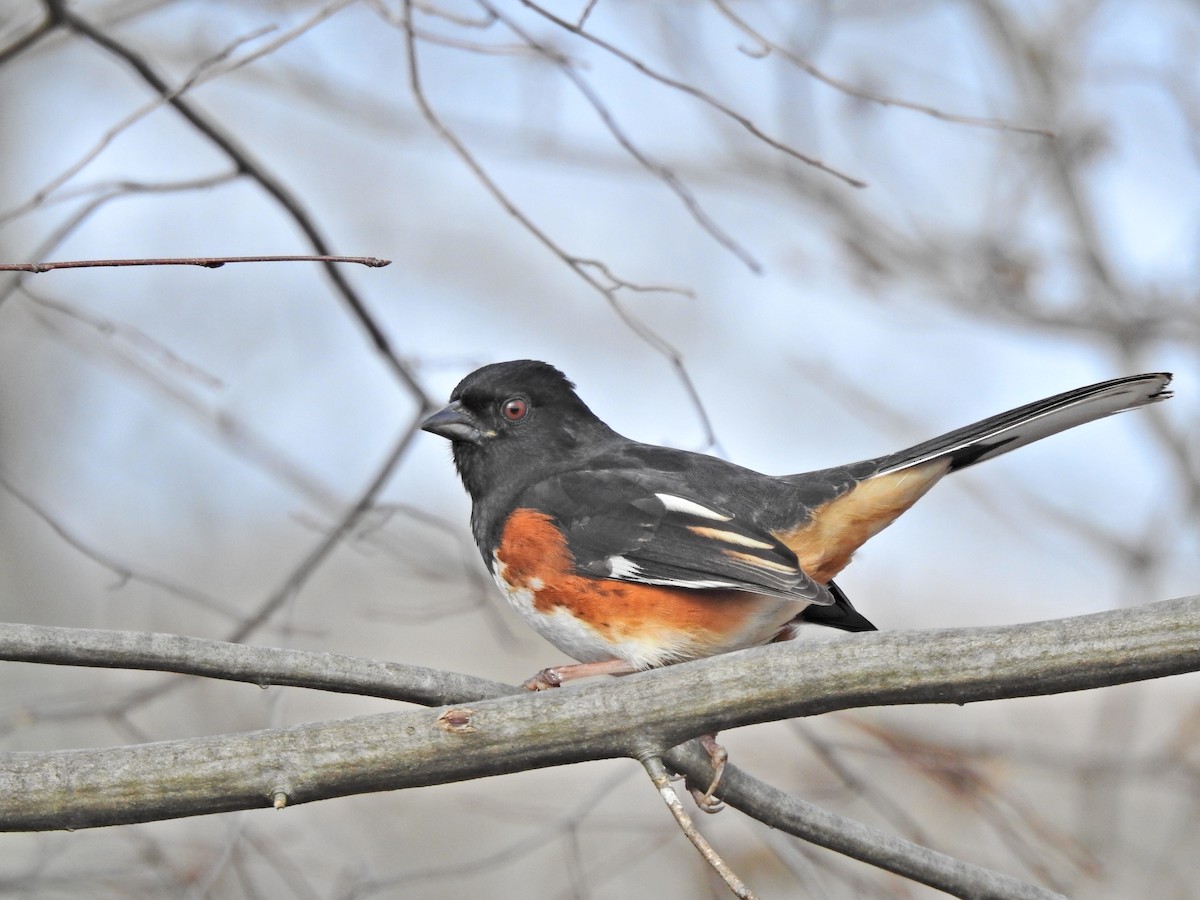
(454, 424)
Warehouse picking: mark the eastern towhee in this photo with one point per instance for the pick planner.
(628, 556)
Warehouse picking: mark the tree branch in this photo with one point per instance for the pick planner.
(207, 262)
(692, 91)
(662, 782)
(631, 717)
(264, 666)
(605, 283)
(63, 15)
(875, 846)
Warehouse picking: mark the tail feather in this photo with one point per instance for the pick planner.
(871, 494)
(1009, 430)
(841, 614)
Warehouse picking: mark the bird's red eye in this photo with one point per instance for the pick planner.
(514, 409)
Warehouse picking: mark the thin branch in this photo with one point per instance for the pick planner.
(39, 197)
(657, 169)
(883, 849)
(693, 91)
(511, 853)
(104, 194)
(224, 62)
(586, 14)
(264, 666)
(124, 571)
(208, 262)
(581, 267)
(891, 811)
(768, 47)
(27, 40)
(258, 173)
(112, 329)
(348, 522)
(484, 23)
(240, 437)
(658, 775)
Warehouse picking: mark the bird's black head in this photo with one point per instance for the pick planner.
(512, 420)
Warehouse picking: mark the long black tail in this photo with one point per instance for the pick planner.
(1032, 422)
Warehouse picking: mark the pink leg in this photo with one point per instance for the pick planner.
(718, 756)
(556, 675)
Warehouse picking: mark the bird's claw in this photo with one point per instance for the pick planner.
(544, 680)
(718, 756)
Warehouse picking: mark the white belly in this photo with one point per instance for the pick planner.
(573, 637)
(656, 647)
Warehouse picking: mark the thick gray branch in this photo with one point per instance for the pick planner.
(628, 717)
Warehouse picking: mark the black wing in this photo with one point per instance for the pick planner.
(648, 527)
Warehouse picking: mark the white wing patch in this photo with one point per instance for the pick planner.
(691, 585)
(620, 567)
(683, 505)
(627, 570)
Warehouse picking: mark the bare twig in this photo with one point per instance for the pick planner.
(257, 172)
(125, 572)
(665, 174)
(27, 40)
(767, 47)
(586, 14)
(581, 267)
(658, 775)
(508, 854)
(135, 337)
(693, 91)
(103, 194)
(207, 262)
(432, 9)
(349, 520)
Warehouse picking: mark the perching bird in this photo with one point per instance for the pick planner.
(628, 556)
